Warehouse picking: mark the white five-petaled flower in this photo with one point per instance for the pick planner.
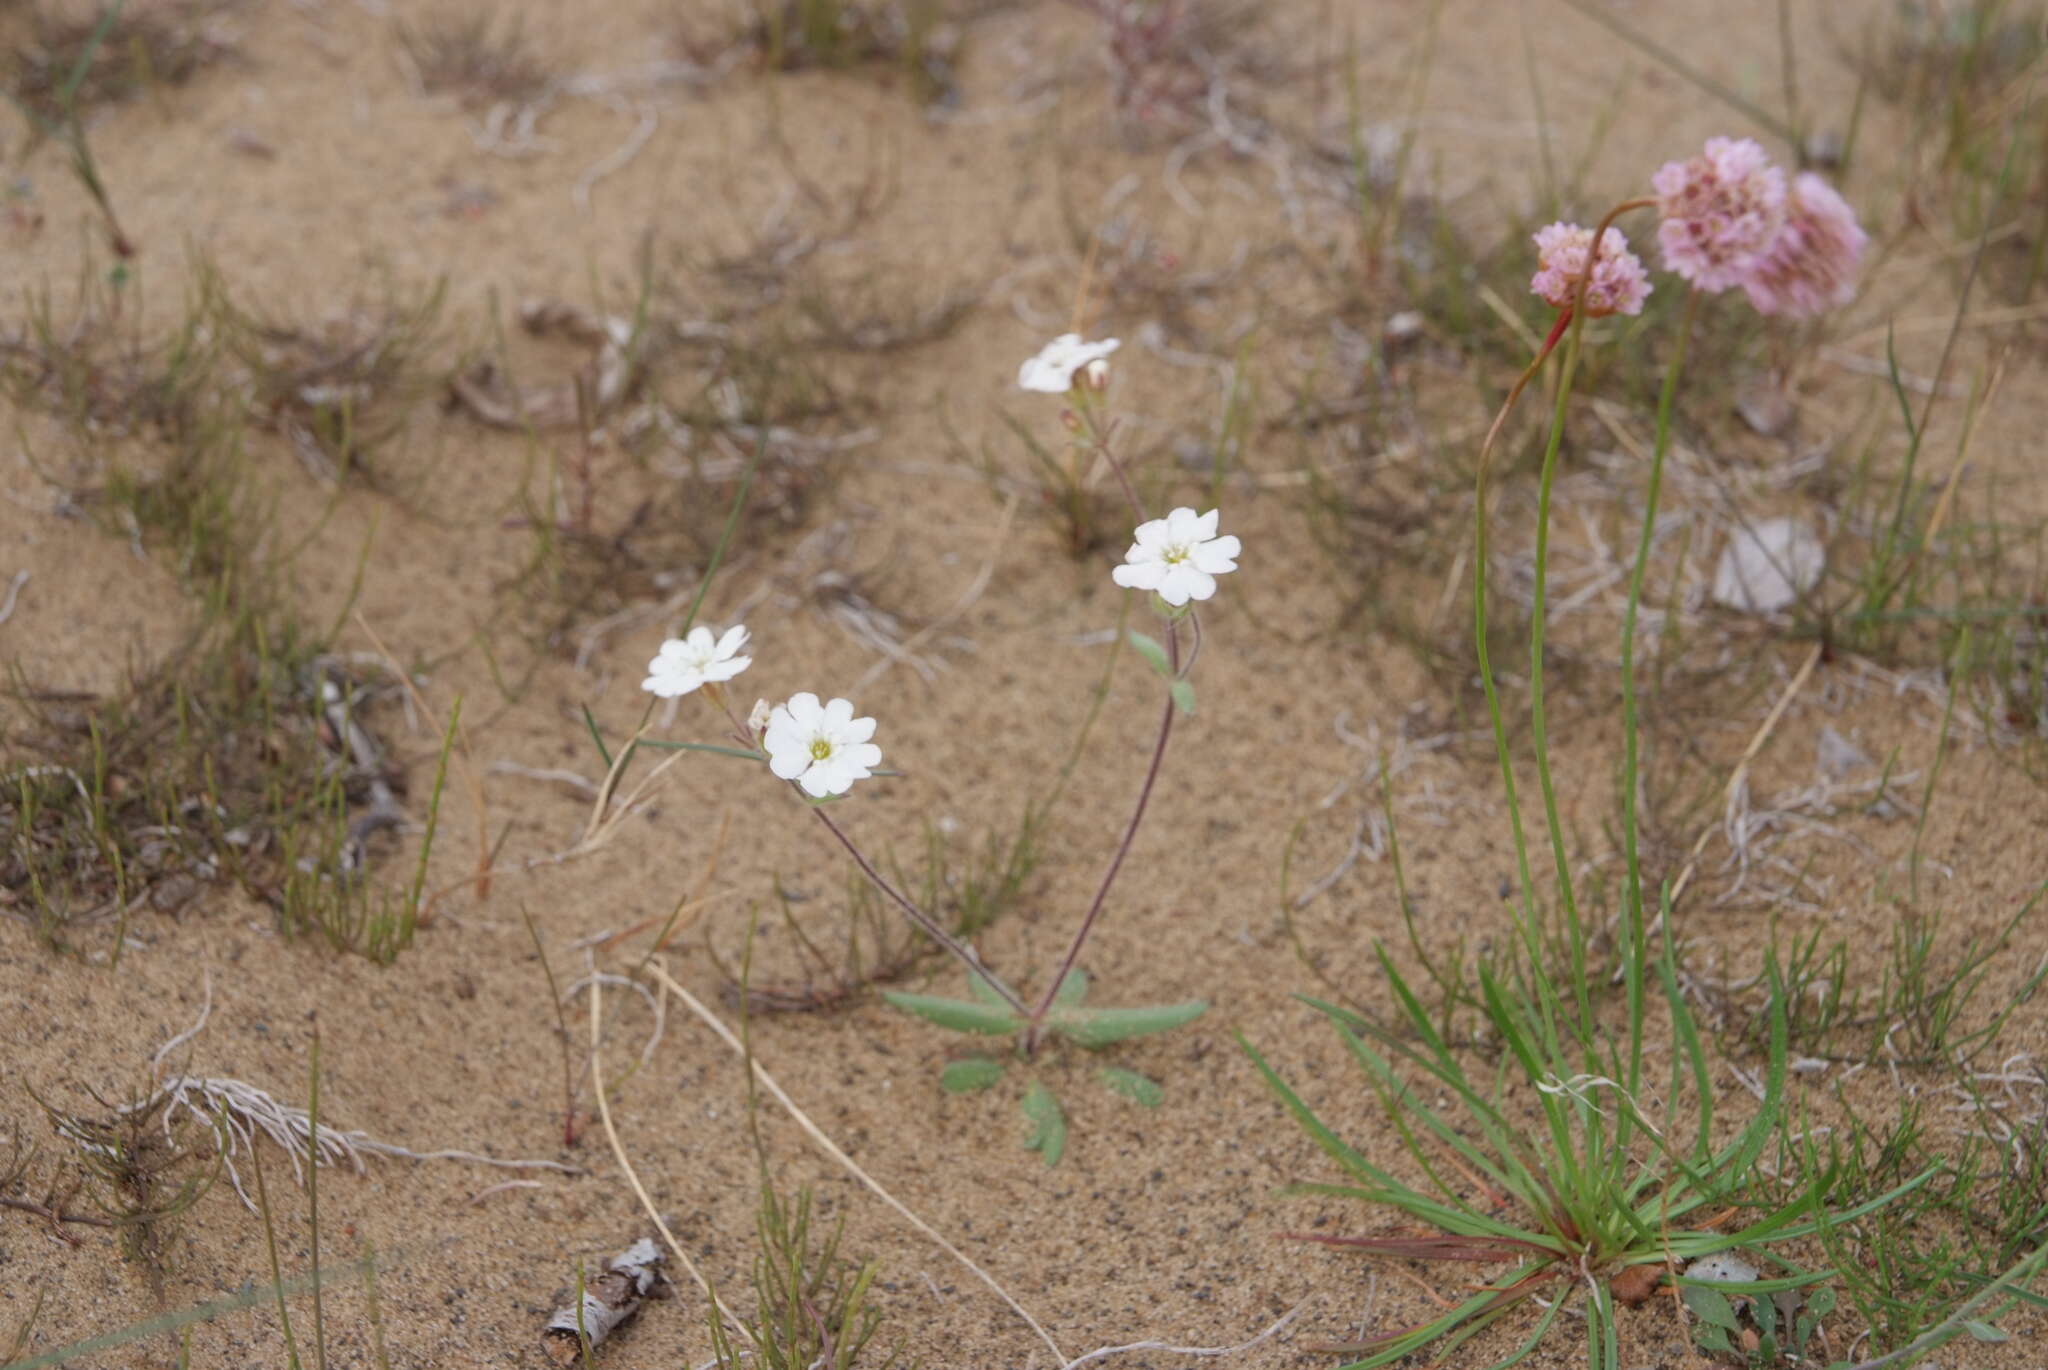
(1178, 557)
(822, 747)
(685, 663)
(1052, 371)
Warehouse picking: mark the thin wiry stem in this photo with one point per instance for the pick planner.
(1116, 860)
(1632, 895)
(931, 926)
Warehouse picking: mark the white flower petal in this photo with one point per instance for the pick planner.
(805, 709)
(734, 640)
(700, 641)
(838, 713)
(1144, 575)
(1216, 556)
(1199, 584)
(836, 775)
(789, 763)
(785, 736)
(866, 755)
(1205, 524)
(858, 731)
(1037, 375)
(817, 782)
(1150, 534)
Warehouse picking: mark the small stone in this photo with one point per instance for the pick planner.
(1823, 150)
(1835, 755)
(1404, 329)
(1764, 406)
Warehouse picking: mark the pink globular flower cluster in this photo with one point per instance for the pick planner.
(1721, 212)
(1729, 218)
(1619, 285)
(1811, 265)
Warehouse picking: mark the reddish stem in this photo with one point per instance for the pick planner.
(1033, 1034)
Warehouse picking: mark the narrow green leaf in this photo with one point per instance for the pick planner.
(663, 745)
(966, 1076)
(1142, 1090)
(1984, 1331)
(1098, 1027)
(1073, 989)
(1149, 648)
(981, 989)
(598, 737)
(1048, 1125)
(1183, 693)
(1710, 1305)
(957, 1014)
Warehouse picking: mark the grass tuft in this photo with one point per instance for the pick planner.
(64, 61)
(475, 58)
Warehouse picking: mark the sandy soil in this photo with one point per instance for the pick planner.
(1163, 1224)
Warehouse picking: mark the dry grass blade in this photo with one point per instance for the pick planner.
(611, 1132)
(831, 1148)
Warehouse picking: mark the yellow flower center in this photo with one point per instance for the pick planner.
(821, 749)
(1176, 553)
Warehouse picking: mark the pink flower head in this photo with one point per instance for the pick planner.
(1811, 266)
(1619, 284)
(1722, 211)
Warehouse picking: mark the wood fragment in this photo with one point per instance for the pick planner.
(608, 1301)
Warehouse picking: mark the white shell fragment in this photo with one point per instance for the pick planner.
(1765, 567)
(1723, 1267)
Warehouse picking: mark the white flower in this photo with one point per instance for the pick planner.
(684, 663)
(1052, 371)
(1178, 556)
(758, 719)
(823, 748)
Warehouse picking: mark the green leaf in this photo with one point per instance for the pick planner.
(1984, 1331)
(957, 1014)
(1183, 693)
(1149, 648)
(1073, 989)
(1098, 1027)
(966, 1076)
(597, 737)
(1049, 1126)
(1139, 1089)
(980, 988)
(1711, 1306)
(662, 745)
